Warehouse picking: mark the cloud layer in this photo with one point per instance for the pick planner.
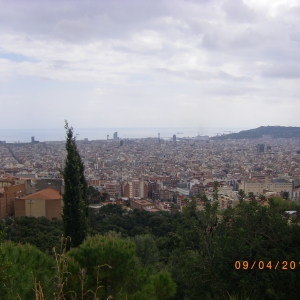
(149, 63)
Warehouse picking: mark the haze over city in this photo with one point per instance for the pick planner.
(114, 64)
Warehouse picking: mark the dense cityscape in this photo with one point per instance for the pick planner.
(153, 173)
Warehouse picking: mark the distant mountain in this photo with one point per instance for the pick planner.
(272, 131)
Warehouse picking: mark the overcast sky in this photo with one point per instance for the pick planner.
(135, 63)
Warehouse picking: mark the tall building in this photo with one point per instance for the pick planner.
(174, 139)
(113, 189)
(115, 135)
(136, 188)
(107, 136)
(153, 187)
(32, 139)
(260, 148)
(159, 137)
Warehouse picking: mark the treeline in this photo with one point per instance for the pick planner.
(247, 252)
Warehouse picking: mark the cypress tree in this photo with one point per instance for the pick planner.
(75, 211)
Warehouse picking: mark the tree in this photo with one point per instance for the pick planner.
(241, 195)
(104, 196)
(215, 191)
(256, 233)
(93, 194)
(262, 198)
(285, 195)
(146, 250)
(75, 210)
(109, 269)
(251, 196)
(5, 268)
(26, 262)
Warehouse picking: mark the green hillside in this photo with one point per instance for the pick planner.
(274, 131)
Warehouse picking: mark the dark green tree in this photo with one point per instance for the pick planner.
(251, 196)
(241, 195)
(285, 195)
(5, 268)
(75, 211)
(262, 198)
(146, 250)
(216, 191)
(26, 262)
(111, 271)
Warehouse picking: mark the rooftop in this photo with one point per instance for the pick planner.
(47, 194)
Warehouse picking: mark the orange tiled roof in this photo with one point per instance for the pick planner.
(48, 193)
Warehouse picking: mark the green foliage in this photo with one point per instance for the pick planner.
(285, 195)
(241, 195)
(159, 286)
(167, 244)
(202, 264)
(146, 250)
(93, 194)
(281, 205)
(109, 267)
(104, 197)
(107, 261)
(262, 197)
(189, 271)
(215, 191)
(5, 268)
(252, 232)
(26, 262)
(251, 196)
(75, 211)
(40, 232)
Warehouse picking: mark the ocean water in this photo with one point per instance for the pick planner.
(42, 135)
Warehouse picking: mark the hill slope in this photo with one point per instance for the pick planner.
(274, 131)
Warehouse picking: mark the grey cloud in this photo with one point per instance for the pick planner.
(211, 41)
(195, 75)
(237, 10)
(59, 64)
(227, 90)
(281, 70)
(226, 76)
(76, 21)
(249, 38)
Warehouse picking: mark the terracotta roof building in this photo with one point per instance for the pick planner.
(45, 203)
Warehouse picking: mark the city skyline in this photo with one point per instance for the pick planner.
(133, 64)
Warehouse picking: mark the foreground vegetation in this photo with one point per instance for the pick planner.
(142, 255)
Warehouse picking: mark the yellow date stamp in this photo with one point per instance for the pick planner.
(266, 265)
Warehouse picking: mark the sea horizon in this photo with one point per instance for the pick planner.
(58, 134)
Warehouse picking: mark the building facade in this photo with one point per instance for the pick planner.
(45, 203)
